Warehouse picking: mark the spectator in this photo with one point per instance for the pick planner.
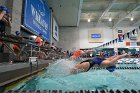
(53, 46)
(5, 20)
(105, 54)
(16, 46)
(119, 52)
(112, 53)
(68, 53)
(60, 49)
(137, 54)
(46, 45)
(90, 54)
(116, 52)
(123, 52)
(129, 54)
(39, 40)
(65, 53)
(1, 47)
(102, 53)
(3, 10)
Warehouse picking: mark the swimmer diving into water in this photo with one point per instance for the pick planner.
(109, 63)
(78, 53)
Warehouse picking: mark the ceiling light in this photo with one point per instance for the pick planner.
(89, 20)
(131, 18)
(110, 19)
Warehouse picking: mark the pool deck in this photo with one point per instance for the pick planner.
(13, 72)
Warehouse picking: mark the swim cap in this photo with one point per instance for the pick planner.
(4, 8)
(40, 34)
(111, 68)
(17, 33)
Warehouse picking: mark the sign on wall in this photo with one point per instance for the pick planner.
(95, 36)
(127, 43)
(37, 17)
(120, 31)
(133, 44)
(55, 30)
(120, 37)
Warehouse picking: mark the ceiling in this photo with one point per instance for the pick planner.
(71, 12)
(66, 12)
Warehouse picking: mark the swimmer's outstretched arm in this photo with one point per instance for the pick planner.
(114, 60)
(112, 57)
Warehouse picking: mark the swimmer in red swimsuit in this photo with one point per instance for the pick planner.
(39, 40)
(78, 53)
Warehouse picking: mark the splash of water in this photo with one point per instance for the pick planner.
(60, 68)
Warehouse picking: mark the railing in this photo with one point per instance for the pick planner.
(29, 48)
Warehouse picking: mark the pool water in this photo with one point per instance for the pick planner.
(91, 80)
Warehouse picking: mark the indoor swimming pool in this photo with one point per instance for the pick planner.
(56, 78)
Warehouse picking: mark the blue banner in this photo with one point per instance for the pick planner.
(133, 38)
(120, 39)
(95, 35)
(37, 17)
(133, 44)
